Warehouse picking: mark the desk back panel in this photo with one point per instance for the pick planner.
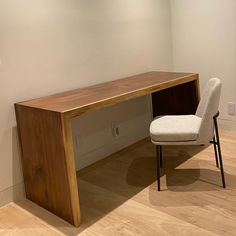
(179, 100)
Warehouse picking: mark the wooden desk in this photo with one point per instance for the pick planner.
(45, 133)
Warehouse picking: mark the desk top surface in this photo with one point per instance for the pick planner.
(104, 94)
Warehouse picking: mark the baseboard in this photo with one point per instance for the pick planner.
(12, 194)
(112, 156)
(113, 146)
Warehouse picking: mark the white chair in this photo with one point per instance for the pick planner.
(198, 129)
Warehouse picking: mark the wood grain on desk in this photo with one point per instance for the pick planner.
(45, 133)
(104, 94)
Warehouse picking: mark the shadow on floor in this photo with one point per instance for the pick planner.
(109, 185)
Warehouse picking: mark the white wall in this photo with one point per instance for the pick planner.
(48, 46)
(204, 41)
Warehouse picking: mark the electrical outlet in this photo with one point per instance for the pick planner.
(115, 130)
(231, 108)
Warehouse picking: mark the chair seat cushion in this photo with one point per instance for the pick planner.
(179, 128)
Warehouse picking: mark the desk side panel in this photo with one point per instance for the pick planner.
(46, 177)
(178, 100)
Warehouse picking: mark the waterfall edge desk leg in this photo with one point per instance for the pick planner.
(48, 161)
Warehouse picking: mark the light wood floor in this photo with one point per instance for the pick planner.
(118, 196)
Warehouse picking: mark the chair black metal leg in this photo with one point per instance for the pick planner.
(158, 168)
(161, 161)
(219, 152)
(159, 152)
(216, 155)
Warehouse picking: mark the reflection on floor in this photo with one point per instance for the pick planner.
(118, 196)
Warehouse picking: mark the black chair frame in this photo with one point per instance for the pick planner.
(217, 150)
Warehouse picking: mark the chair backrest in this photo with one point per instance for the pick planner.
(207, 108)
